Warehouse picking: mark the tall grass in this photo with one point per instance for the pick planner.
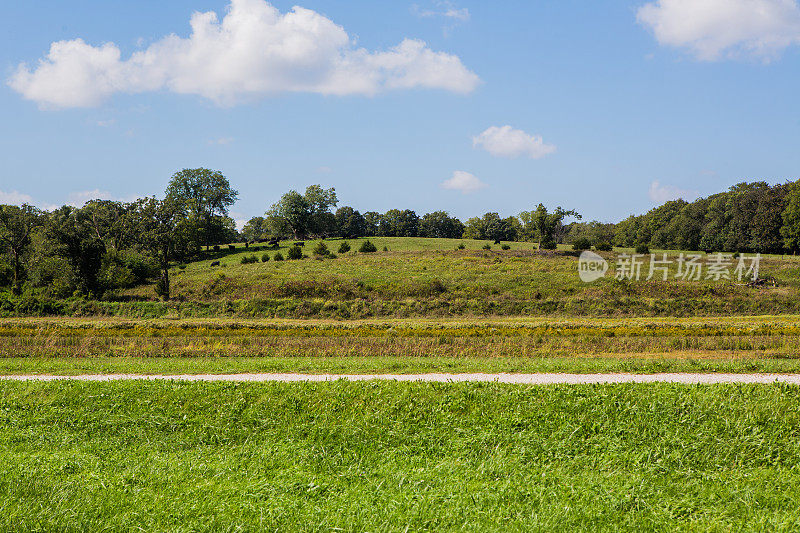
(746, 344)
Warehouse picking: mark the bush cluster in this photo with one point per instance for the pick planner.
(581, 243)
(367, 247)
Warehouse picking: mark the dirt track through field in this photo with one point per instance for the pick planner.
(522, 379)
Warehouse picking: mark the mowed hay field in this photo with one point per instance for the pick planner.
(432, 278)
(397, 456)
(115, 345)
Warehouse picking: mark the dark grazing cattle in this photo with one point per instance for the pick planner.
(214, 263)
(300, 244)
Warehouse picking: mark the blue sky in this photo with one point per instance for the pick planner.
(605, 107)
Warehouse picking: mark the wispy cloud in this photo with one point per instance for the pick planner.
(15, 198)
(75, 199)
(222, 141)
(659, 193)
(443, 9)
(448, 11)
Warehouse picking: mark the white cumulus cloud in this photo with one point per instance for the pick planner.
(254, 51)
(15, 198)
(664, 193)
(713, 29)
(506, 141)
(464, 182)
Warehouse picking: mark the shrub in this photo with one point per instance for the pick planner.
(294, 253)
(279, 257)
(181, 267)
(367, 247)
(321, 249)
(385, 249)
(344, 247)
(581, 243)
(461, 246)
(487, 246)
(264, 258)
(506, 247)
(247, 259)
(115, 275)
(548, 244)
(642, 249)
(603, 247)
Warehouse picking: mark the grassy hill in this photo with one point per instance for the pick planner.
(418, 277)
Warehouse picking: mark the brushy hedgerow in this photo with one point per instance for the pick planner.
(361, 456)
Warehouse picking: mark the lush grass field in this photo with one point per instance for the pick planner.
(72, 346)
(389, 456)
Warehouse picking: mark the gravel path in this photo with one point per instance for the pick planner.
(532, 379)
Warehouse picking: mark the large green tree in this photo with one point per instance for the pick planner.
(350, 223)
(162, 235)
(203, 197)
(255, 229)
(16, 226)
(322, 222)
(306, 215)
(440, 224)
(69, 232)
(399, 223)
(293, 211)
(545, 225)
(790, 231)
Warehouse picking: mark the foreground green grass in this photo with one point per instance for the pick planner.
(388, 365)
(389, 456)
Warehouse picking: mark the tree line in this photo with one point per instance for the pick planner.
(315, 215)
(106, 245)
(748, 217)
